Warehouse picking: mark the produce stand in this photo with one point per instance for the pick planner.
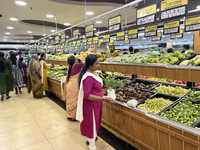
(57, 62)
(141, 128)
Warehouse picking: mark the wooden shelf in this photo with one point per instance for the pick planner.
(57, 62)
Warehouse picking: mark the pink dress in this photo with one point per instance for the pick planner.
(91, 86)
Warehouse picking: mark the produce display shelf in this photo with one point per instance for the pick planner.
(57, 62)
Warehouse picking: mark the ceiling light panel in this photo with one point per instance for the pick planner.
(7, 33)
(29, 32)
(20, 3)
(98, 22)
(89, 13)
(66, 24)
(49, 16)
(13, 19)
(10, 28)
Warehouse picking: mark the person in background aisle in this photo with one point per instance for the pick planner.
(6, 56)
(71, 94)
(162, 52)
(24, 66)
(89, 106)
(20, 54)
(6, 80)
(185, 48)
(44, 69)
(38, 57)
(19, 73)
(131, 50)
(136, 51)
(170, 50)
(34, 83)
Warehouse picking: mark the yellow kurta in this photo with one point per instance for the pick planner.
(45, 74)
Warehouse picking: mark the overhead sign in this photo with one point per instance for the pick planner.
(84, 42)
(78, 43)
(157, 38)
(177, 35)
(146, 15)
(133, 34)
(99, 44)
(173, 9)
(57, 39)
(120, 36)
(106, 38)
(62, 38)
(74, 43)
(150, 31)
(111, 43)
(47, 42)
(89, 30)
(192, 24)
(76, 34)
(89, 41)
(126, 41)
(114, 23)
(171, 27)
(95, 40)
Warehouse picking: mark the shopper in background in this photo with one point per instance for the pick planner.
(19, 73)
(24, 66)
(162, 52)
(6, 56)
(34, 83)
(20, 54)
(71, 94)
(185, 48)
(136, 51)
(170, 50)
(131, 50)
(6, 81)
(44, 69)
(89, 106)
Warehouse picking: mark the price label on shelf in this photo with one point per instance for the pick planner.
(120, 36)
(177, 35)
(89, 30)
(133, 34)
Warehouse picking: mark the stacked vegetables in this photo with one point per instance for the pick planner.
(184, 112)
(194, 96)
(193, 62)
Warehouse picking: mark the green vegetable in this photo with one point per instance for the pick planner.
(197, 62)
(155, 105)
(184, 112)
(195, 96)
(190, 52)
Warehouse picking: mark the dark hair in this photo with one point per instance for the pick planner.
(170, 50)
(124, 49)
(125, 53)
(74, 53)
(19, 52)
(130, 49)
(13, 58)
(186, 46)
(2, 65)
(42, 55)
(112, 51)
(21, 59)
(136, 50)
(71, 60)
(89, 61)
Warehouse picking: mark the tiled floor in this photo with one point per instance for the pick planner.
(30, 124)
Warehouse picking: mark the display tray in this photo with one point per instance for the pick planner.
(187, 58)
(185, 97)
(122, 77)
(173, 85)
(175, 99)
(173, 105)
(197, 124)
(145, 82)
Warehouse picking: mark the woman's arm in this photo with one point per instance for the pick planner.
(97, 98)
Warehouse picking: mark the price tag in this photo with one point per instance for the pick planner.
(120, 36)
(133, 34)
(89, 30)
(150, 31)
(126, 41)
(106, 38)
(192, 24)
(114, 23)
(62, 38)
(111, 43)
(157, 38)
(89, 41)
(95, 40)
(76, 34)
(171, 27)
(177, 35)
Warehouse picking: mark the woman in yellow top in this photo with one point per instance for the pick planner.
(44, 69)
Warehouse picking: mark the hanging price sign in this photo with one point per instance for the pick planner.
(173, 9)
(84, 42)
(133, 34)
(106, 38)
(126, 41)
(76, 34)
(157, 38)
(99, 44)
(89, 41)
(120, 36)
(171, 27)
(192, 24)
(114, 23)
(146, 15)
(177, 35)
(150, 31)
(95, 40)
(78, 43)
(111, 43)
(89, 31)
(57, 39)
(62, 38)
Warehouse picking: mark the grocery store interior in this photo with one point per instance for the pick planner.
(148, 52)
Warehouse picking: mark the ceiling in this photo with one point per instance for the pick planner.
(32, 17)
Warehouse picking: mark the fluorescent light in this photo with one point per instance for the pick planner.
(66, 24)
(29, 31)
(20, 3)
(50, 37)
(89, 13)
(7, 33)
(95, 28)
(198, 7)
(13, 19)
(67, 36)
(9, 27)
(53, 30)
(98, 22)
(158, 10)
(18, 41)
(59, 34)
(49, 16)
(5, 39)
(188, 32)
(43, 34)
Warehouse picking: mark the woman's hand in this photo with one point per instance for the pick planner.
(13, 75)
(107, 99)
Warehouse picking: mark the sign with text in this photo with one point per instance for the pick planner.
(192, 24)
(157, 38)
(89, 30)
(173, 9)
(57, 39)
(62, 38)
(126, 41)
(89, 41)
(84, 42)
(150, 31)
(133, 34)
(47, 42)
(95, 40)
(99, 44)
(76, 34)
(146, 15)
(114, 23)
(171, 27)
(78, 43)
(106, 38)
(111, 43)
(177, 35)
(74, 43)
(120, 36)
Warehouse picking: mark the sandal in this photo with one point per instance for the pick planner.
(20, 92)
(2, 97)
(8, 97)
(87, 142)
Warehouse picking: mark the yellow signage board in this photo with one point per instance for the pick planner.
(84, 41)
(63, 36)
(66, 44)
(74, 42)
(151, 28)
(78, 42)
(70, 43)
(170, 4)
(120, 34)
(90, 40)
(180, 32)
(89, 28)
(133, 31)
(191, 21)
(106, 36)
(159, 34)
(146, 11)
(172, 24)
(57, 38)
(115, 20)
(95, 39)
(75, 32)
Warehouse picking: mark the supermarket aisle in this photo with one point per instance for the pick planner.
(30, 124)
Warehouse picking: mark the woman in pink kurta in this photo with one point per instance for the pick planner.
(89, 106)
